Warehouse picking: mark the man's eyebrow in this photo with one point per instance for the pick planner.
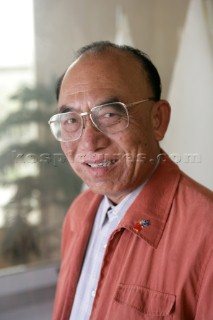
(109, 100)
(65, 108)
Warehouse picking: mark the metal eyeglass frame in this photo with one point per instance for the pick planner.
(89, 113)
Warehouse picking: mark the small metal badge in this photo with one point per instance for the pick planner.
(145, 223)
(141, 224)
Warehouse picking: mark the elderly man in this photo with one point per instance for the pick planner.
(138, 243)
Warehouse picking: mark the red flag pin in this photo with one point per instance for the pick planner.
(141, 224)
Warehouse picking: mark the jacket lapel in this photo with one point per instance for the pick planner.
(148, 214)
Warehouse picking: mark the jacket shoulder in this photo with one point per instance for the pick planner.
(195, 190)
(194, 205)
(83, 198)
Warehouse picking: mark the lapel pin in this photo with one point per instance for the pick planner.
(141, 224)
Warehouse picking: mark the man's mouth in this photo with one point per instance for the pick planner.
(102, 164)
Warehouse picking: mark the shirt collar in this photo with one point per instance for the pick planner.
(121, 207)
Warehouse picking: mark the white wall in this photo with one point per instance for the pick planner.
(191, 97)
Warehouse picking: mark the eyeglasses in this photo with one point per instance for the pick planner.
(108, 118)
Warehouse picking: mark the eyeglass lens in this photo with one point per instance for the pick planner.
(108, 118)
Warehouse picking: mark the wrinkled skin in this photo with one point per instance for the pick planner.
(93, 80)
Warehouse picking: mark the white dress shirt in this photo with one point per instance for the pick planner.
(105, 223)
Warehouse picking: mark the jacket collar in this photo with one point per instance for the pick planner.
(148, 214)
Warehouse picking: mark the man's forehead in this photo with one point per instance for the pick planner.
(104, 59)
(79, 85)
(112, 74)
(104, 70)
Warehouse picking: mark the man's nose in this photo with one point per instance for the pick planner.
(92, 138)
(87, 121)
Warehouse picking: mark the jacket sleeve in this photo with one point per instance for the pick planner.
(205, 299)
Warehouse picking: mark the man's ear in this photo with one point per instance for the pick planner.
(160, 118)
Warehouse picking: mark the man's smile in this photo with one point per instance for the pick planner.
(105, 163)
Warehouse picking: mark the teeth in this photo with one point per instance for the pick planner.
(101, 164)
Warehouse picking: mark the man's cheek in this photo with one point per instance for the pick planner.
(67, 151)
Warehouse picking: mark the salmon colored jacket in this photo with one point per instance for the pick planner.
(163, 270)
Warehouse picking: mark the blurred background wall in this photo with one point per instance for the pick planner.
(62, 27)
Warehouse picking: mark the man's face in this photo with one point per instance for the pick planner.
(94, 80)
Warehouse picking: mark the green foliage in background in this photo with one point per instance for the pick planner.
(43, 183)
